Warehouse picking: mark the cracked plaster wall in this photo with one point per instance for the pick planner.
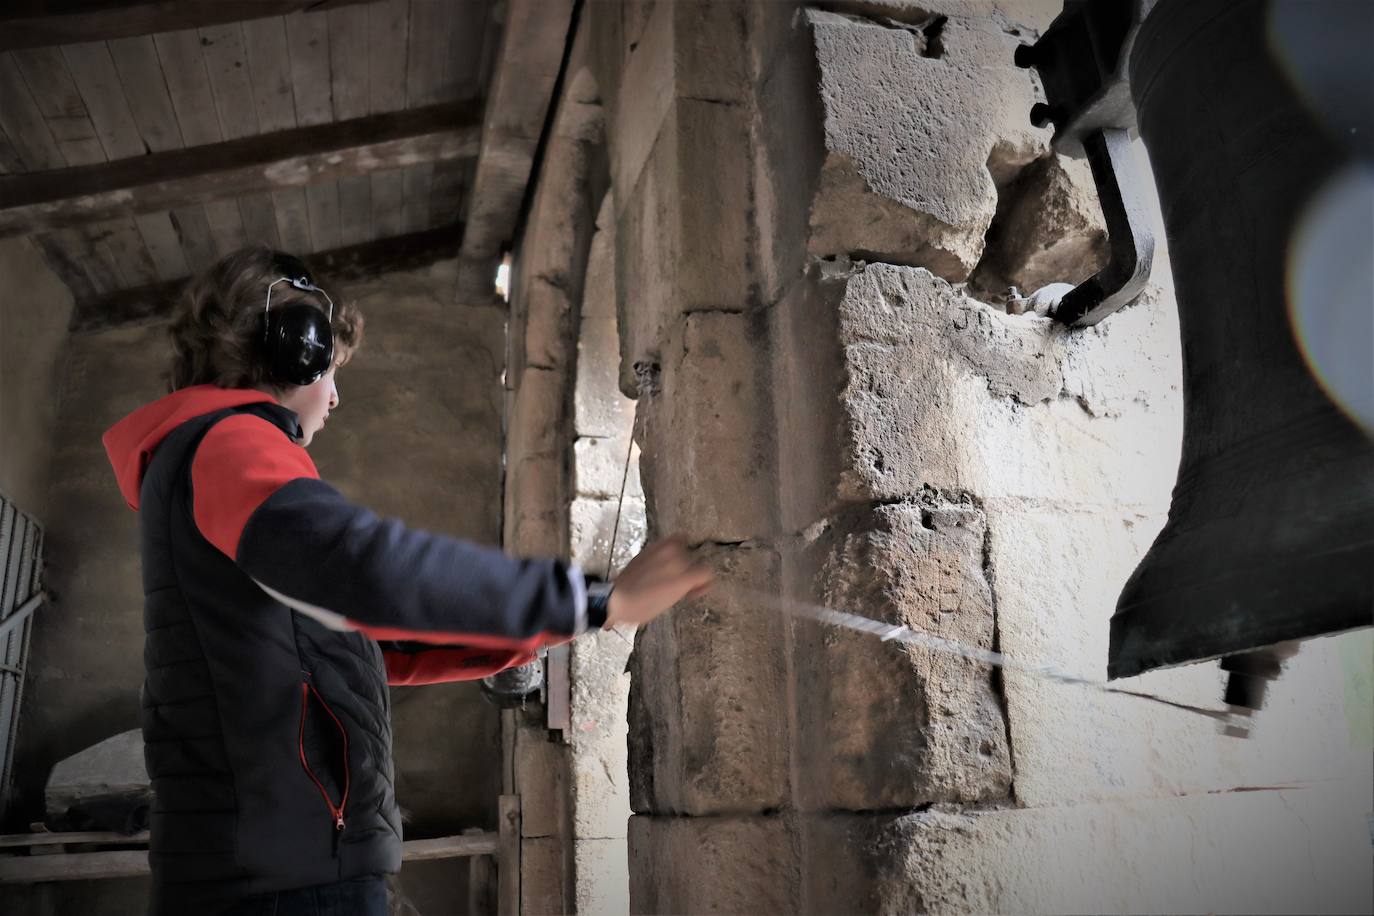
(818, 210)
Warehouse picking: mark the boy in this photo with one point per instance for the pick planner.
(277, 611)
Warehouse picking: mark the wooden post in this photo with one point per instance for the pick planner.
(481, 882)
(508, 842)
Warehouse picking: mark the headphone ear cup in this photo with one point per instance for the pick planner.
(299, 344)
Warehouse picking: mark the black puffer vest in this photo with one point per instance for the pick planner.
(268, 736)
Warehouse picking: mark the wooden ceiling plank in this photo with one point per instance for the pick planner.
(55, 94)
(427, 50)
(269, 65)
(99, 261)
(9, 158)
(446, 191)
(223, 170)
(259, 219)
(163, 244)
(355, 210)
(388, 203)
(23, 121)
(226, 225)
(340, 265)
(468, 33)
(103, 20)
(193, 228)
(57, 250)
(188, 83)
(94, 72)
(125, 244)
(140, 69)
(322, 202)
(307, 36)
(293, 220)
(226, 62)
(386, 63)
(348, 61)
(418, 180)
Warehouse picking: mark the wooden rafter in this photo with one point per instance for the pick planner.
(67, 197)
(353, 262)
(39, 23)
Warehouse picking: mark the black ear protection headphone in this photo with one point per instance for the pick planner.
(298, 340)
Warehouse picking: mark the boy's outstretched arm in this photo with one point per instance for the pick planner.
(259, 499)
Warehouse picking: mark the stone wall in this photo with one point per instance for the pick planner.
(420, 402)
(34, 310)
(817, 212)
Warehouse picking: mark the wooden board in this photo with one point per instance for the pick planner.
(293, 220)
(259, 219)
(348, 58)
(93, 70)
(355, 210)
(188, 84)
(78, 866)
(23, 122)
(193, 228)
(226, 62)
(55, 93)
(351, 262)
(322, 202)
(269, 60)
(307, 36)
(427, 52)
(387, 25)
(291, 158)
(98, 20)
(163, 244)
(145, 88)
(226, 225)
(130, 257)
(415, 211)
(508, 856)
(388, 202)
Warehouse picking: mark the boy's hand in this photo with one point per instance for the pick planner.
(660, 576)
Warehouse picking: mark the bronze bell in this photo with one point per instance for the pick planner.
(1258, 121)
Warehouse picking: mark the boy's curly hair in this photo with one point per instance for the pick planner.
(217, 327)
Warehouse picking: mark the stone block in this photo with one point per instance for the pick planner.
(884, 725)
(693, 51)
(684, 233)
(599, 734)
(1058, 572)
(599, 409)
(713, 865)
(537, 424)
(1297, 851)
(939, 390)
(707, 731)
(708, 442)
(544, 881)
(919, 115)
(603, 876)
(600, 466)
(548, 320)
(593, 525)
(1049, 229)
(598, 288)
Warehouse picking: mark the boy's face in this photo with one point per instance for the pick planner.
(312, 403)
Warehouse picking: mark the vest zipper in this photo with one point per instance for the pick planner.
(337, 813)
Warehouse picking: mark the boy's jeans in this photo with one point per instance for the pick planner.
(356, 897)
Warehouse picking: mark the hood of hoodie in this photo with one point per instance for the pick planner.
(130, 443)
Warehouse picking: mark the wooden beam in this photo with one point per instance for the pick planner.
(508, 857)
(267, 162)
(59, 22)
(78, 866)
(352, 262)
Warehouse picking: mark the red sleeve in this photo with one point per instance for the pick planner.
(242, 461)
(438, 666)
